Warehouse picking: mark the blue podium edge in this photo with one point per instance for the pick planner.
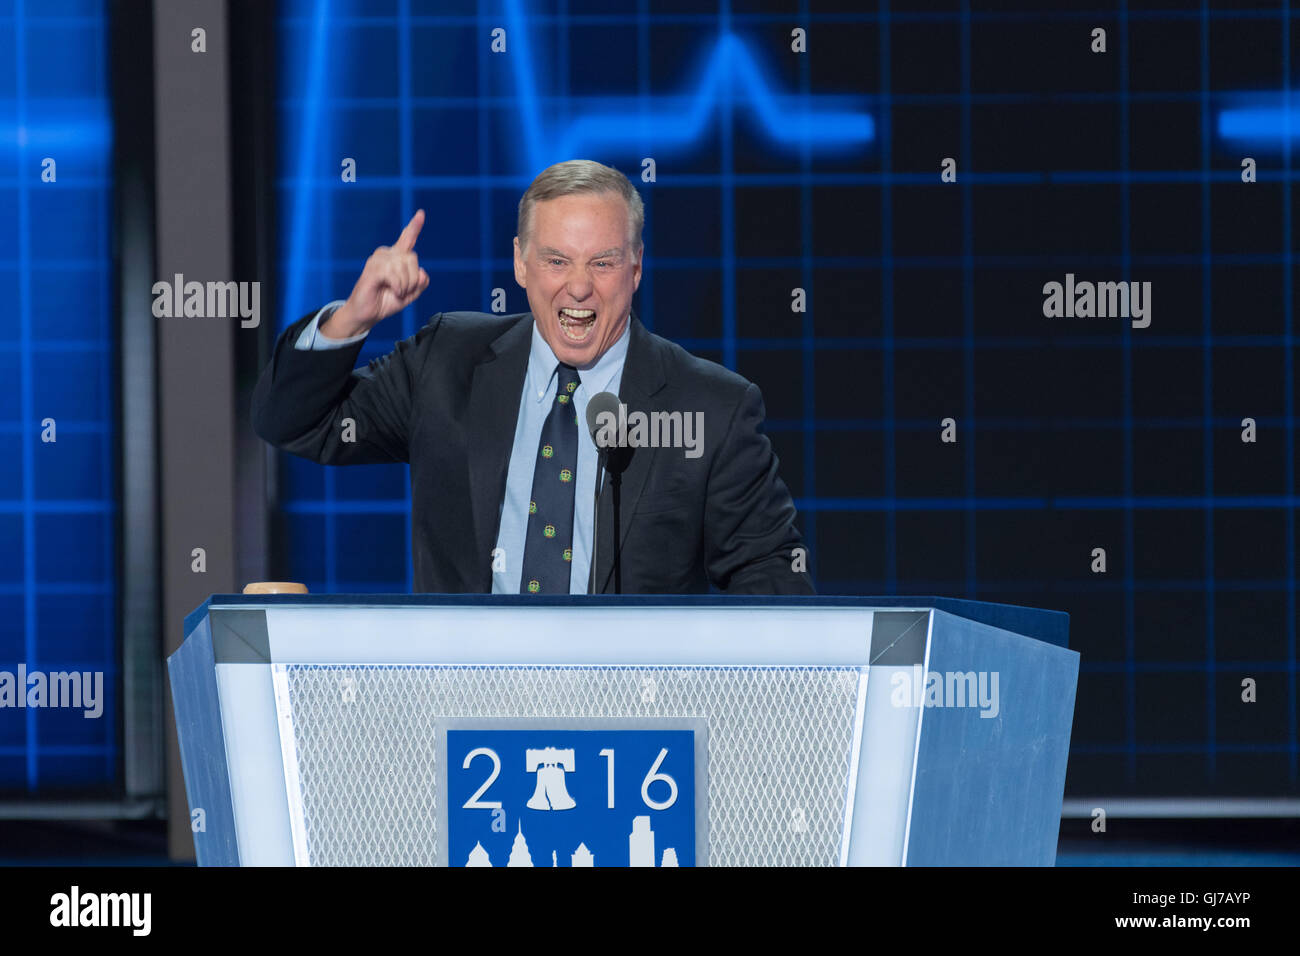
(201, 741)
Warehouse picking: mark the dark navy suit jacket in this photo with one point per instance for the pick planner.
(446, 400)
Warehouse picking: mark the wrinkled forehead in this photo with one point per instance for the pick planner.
(581, 224)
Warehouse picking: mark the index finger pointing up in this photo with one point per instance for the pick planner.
(406, 241)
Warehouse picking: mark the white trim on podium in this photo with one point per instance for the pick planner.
(547, 636)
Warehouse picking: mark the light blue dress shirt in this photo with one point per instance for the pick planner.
(535, 403)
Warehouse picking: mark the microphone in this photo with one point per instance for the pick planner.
(600, 403)
(613, 460)
(615, 457)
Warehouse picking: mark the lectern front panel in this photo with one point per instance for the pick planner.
(369, 786)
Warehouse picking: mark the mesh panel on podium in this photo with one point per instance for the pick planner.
(780, 745)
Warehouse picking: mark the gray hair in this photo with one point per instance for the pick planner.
(582, 176)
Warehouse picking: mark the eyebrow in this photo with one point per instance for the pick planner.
(607, 253)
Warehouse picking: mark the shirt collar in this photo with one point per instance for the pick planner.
(542, 364)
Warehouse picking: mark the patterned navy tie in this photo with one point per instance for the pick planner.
(548, 547)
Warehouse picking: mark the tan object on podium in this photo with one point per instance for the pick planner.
(275, 587)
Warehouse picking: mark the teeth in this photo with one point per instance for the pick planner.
(577, 323)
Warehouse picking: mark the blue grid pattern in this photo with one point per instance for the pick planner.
(58, 574)
(924, 300)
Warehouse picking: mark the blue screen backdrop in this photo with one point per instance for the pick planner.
(58, 571)
(822, 170)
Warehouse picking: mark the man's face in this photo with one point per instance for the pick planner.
(579, 271)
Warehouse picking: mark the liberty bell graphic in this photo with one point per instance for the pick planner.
(550, 763)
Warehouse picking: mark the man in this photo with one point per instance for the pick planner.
(490, 411)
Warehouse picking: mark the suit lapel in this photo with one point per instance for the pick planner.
(493, 415)
(643, 377)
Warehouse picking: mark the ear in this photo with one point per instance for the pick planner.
(520, 271)
(636, 269)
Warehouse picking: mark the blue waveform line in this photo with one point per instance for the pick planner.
(619, 121)
(73, 123)
(1266, 119)
(93, 134)
(1260, 123)
(614, 121)
(525, 87)
(307, 144)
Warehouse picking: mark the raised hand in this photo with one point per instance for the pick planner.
(390, 281)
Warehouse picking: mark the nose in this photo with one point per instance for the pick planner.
(579, 286)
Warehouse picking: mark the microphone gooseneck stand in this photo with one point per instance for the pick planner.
(616, 488)
(616, 462)
(611, 462)
(595, 523)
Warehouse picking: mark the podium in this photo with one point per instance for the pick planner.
(362, 730)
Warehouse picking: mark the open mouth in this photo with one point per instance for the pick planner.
(577, 323)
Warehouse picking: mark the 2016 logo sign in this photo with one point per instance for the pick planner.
(572, 797)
